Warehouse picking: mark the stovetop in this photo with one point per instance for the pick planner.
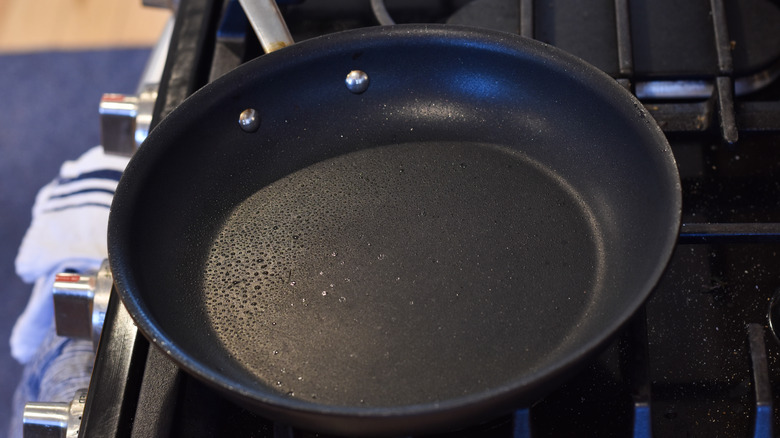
(698, 359)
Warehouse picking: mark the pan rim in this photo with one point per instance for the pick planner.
(399, 34)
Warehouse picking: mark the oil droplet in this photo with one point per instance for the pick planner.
(342, 299)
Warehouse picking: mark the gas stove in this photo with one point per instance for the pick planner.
(697, 360)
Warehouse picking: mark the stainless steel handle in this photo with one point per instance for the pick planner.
(117, 123)
(268, 23)
(125, 120)
(80, 303)
(55, 420)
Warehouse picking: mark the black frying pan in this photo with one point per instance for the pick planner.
(443, 247)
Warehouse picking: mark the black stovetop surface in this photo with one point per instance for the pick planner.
(697, 360)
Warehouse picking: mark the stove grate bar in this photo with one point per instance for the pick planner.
(722, 41)
(624, 46)
(116, 377)
(526, 9)
(720, 233)
(761, 382)
(724, 84)
(634, 362)
(724, 89)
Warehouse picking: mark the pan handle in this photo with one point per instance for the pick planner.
(268, 23)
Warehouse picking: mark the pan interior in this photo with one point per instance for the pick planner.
(403, 274)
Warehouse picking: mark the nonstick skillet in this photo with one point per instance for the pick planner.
(445, 245)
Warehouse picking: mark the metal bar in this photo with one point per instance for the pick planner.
(157, 400)
(189, 55)
(526, 8)
(116, 377)
(634, 360)
(722, 41)
(624, 48)
(696, 117)
(682, 117)
(761, 382)
(724, 86)
(730, 233)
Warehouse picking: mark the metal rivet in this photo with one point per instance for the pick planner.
(357, 81)
(249, 120)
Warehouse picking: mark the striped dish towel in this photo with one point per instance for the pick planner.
(59, 368)
(68, 232)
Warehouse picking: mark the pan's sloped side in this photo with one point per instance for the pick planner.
(489, 204)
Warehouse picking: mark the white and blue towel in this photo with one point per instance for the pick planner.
(68, 232)
(59, 368)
